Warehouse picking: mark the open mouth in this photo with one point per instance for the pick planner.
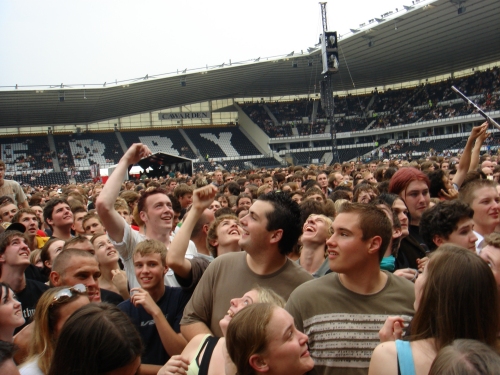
(234, 231)
(112, 252)
(230, 313)
(332, 252)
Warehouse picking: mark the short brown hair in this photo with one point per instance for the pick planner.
(212, 232)
(372, 222)
(467, 192)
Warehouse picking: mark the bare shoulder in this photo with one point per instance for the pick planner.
(190, 351)
(384, 359)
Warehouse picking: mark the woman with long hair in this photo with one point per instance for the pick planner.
(54, 307)
(206, 355)
(108, 343)
(456, 297)
(263, 338)
(11, 314)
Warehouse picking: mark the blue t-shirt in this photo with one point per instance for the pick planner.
(172, 304)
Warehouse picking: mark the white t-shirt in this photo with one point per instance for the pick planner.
(126, 248)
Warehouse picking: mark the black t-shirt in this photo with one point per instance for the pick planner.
(35, 273)
(111, 297)
(172, 304)
(29, 297)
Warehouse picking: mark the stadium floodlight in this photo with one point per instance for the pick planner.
(330, 54)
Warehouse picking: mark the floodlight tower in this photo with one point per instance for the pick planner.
(330, 58)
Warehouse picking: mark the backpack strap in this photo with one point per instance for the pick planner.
(406, 366)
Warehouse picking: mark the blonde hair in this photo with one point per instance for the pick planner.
(43, 342)
(150, 246)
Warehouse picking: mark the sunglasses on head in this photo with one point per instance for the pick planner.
(67, 293)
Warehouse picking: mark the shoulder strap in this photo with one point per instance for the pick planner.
(207, 356)
(405, 358)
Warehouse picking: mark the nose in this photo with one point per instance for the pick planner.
(303, 338)
(331, 241)
(234, 302)
(473, 238)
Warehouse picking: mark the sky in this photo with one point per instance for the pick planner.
(95, 41)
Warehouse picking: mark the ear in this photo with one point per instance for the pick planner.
(205, 228)
(258, 363)
(438, 240)
(47, 264)
(396, 233)
(214, 243)
(144, 216)
(2, 258)
(375, 243)
(165, 269)
(49, 221)
(276, 236)
(55, 279)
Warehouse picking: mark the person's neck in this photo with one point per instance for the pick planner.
(266, 262)
(162, 237)
(62, 233)
(415, 222)
(369, 280)
(232, 248)
(201, 245)
(33, 244)
(106, 274)
(484, 230)
(312, 257)
(14, 276)
(6, 334)
(157, 291)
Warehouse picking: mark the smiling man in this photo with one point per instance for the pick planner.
(14, 259)
(73, 267)
(155, 309)
(269, 232)
(482, 196)
(154, 207)
(356, 298)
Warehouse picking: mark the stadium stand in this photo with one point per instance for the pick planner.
(168, 141)
(26, 153)
(220, 142)
(84, 150)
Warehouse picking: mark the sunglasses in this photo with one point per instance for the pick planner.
(67, 293)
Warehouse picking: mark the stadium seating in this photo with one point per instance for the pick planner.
(26, 153)
(221, 142)
(84, 150)
(167, 141)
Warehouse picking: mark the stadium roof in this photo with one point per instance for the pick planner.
(420, 41)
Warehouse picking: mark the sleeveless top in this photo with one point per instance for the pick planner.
(197, 368)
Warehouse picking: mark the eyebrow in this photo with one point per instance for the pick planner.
(343, 229)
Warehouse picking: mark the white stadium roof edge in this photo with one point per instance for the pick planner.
(425, 39)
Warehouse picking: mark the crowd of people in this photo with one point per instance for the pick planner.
(380, 268)
(426, 102)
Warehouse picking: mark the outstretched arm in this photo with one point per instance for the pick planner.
(113, 222)
(202, 199)
(466, 161)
